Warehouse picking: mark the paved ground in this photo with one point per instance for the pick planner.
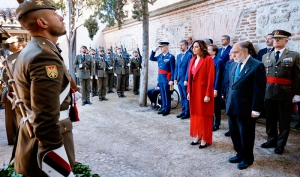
(118, 138)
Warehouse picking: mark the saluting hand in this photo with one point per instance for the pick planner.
(206, 99)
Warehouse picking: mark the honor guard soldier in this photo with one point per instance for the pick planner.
(94, 84)
(12, 112)
(121, 69)
(135, 67)
(43, 85)
(166, 68)
(110, 73)
(82, 63)
(102, 67)
(283, 88)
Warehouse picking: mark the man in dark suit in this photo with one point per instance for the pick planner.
(224, 51)
(219, 68)
(269, 48)
(181, 77)
(247, 85)
(283, 88)
(189, 39)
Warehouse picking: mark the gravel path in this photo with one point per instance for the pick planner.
(118, 138)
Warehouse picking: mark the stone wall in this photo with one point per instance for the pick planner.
(240, 19)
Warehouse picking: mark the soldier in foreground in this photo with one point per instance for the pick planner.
(43, 85)
(135, 70)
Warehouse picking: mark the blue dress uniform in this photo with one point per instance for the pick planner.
(166, 68)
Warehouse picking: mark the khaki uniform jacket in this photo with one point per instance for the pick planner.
(83, 67)
(121, 66)
(94, 61)
(40, 75)
(135, 66)
(102, 67)
(288, 67)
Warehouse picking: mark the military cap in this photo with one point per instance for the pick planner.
(83, 47)
(281, 33)
(134, 51)
(163, 44)
(32, 5)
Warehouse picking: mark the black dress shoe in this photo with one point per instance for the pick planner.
(186, 116)
(268, 145)
(100, 99)
(83, 103)
(104, 99)
(279, 150)
(123, 96)
(216, 128)
(127, 89)
(161, 111)
(88, 102)
(180, 115)
(166, 113)
(243, 165)
(203, 146)
(234, 159)
(198, 142)
(227, 134)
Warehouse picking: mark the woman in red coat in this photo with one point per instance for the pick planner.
(201, 94)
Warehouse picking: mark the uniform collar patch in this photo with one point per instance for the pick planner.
(52, 71)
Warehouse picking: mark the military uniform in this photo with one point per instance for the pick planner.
(110, 73)
(127, 74)
(43, 85)
(102, 78)
(283, 83)
(82, 63)
(121, 69)
(94, 89)
(135, 67)
(166, 69)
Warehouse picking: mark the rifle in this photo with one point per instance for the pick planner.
(19, 101)
(4, 31)
(139, 53)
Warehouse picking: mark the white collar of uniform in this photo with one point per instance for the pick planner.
(281, 51)
(165, 54)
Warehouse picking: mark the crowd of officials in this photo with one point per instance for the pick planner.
(251, 84)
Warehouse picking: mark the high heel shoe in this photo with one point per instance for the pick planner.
(198, 142)
(203, 146)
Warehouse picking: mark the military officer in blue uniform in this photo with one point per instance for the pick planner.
(166, 69)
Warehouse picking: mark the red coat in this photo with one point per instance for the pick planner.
(201, 85)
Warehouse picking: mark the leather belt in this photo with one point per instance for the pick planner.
(278, 80)
(101, 69)
(84, 68)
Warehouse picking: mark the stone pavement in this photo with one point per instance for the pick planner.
(119, 138)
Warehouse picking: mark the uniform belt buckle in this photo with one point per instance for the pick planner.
(122, 66)
(104, 69)
(138, 68)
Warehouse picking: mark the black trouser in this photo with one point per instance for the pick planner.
(127, 81)
(136, 83)
(94, 85)
(152, 95)
(242, 131)
(110, 81)
(121, 84)
(280, 110)
(217, 109)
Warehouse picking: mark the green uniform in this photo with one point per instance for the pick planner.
(94, 89)
(135, 67)
(110, 73)
(121, 69)
(102, 77)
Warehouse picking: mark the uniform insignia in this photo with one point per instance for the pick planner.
(276, 32)
(39, 3)
(52, 71)
(166, 60)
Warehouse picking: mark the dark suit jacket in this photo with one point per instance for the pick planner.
(225, 56)
(219, 68)
(181, 67)
(262, 52)
(248, 92)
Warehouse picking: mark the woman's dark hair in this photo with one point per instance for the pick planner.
(203, 48)
(251, 50)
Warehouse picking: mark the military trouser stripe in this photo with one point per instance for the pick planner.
(57, 163)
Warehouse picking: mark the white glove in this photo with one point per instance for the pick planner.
(156, 49)
(128, 64)
(296, 98)
(171, 82)
(110, 67)
(91, 77)
(115, 74)
(77, 96)
(96, 77)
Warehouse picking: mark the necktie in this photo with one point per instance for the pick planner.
(83, 58)
(237, 72)
(277, 56)
(222, 51)
(182, 57)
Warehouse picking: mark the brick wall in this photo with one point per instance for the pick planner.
(240, 19)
